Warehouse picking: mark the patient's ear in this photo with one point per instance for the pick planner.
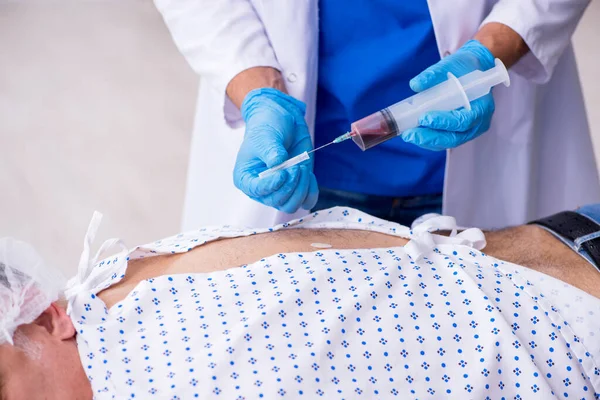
(57, 322)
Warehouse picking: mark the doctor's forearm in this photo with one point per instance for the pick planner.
(503, 42)
(254, 78)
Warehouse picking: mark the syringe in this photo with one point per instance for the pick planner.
(390, 122)
(449, 95)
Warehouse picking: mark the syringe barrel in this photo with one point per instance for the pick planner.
(388, 123)
(449, 95)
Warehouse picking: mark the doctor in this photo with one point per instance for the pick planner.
(276, 74)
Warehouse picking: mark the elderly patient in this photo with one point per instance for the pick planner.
(338, 304)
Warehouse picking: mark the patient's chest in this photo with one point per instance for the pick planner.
(338, 323)
(234, 252)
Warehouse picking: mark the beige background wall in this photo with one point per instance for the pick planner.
(96, 109)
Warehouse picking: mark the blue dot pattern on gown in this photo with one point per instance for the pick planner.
(346, 324)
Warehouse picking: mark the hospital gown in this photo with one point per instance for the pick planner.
(432, 320)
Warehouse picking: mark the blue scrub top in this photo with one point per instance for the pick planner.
(368, 52)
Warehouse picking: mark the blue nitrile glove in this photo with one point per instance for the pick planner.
(440, 130)
(275, 131)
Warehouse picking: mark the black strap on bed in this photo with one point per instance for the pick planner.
(572, 226)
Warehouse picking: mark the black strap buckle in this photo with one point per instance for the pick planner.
(572, 226)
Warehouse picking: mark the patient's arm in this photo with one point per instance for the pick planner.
(535, 248)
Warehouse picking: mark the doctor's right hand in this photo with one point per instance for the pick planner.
(275, 131)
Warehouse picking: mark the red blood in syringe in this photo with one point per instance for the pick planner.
(373, 129)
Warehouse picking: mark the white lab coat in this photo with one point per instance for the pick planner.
(536, 159)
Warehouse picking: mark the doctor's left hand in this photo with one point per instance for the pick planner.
(440, 130)
(275, 131)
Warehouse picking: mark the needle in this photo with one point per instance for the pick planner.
(319, 148)
(302, 156)
(339, 139)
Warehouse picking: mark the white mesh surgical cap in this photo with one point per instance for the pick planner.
(27, 286)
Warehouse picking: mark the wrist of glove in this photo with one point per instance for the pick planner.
(257, 99)
(440, 130)
(275, 131)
